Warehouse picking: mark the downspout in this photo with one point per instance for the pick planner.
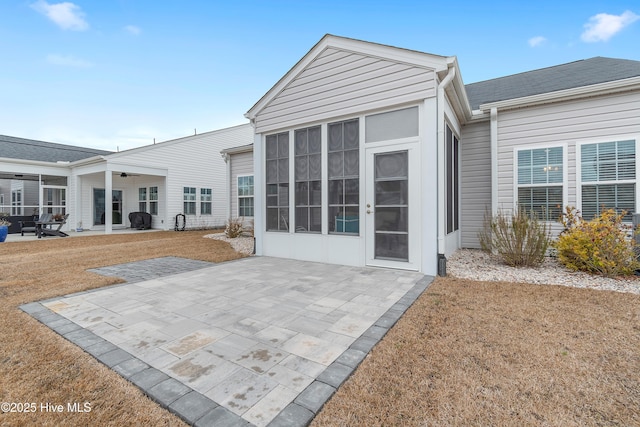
(442, 178)
(494, 160)
(226, 157)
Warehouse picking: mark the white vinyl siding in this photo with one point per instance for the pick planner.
(540, 177)
(608, 177)
(475, 181)
(339, 83)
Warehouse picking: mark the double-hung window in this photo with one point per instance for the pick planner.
(540, 182)
(344, 176)
(205, 201)
(153, 200)
(308, 179)
(189, 200)
(142, 199)
(245, 196)
(608, 177)
(277, 178)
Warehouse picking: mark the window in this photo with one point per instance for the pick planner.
(308, 183)
(277, 178)
(16, 202)
(205, 201)
(392, 125)
(245, 196)
(453, 184)
(608, 177)
(344, 177)
(142, 199)
(153, 200)
(540, 182)
(189, 198)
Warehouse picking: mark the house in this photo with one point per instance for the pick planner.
(181, 176)
(366, 154)
(369, 155)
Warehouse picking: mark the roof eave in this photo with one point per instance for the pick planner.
(615, 86)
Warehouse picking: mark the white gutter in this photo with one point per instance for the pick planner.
(442, 178)
(227, 160)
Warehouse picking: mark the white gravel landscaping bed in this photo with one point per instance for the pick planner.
(243, 244)
(475, 264)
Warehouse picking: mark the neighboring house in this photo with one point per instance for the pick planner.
(182, 176)
(366, 154)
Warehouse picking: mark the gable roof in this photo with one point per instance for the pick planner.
(30, 149)
(576, 74)
(329, 44)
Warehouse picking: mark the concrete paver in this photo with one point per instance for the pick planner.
(259, 341)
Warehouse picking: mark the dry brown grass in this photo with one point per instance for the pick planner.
(37, 365)
(503, 354)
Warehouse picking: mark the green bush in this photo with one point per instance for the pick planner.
(519, 238)
(600, 246)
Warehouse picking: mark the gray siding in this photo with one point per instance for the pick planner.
(594, 119)
(475, 181)
(241, 164)
(339, 83)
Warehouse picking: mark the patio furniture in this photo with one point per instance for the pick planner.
(31, 226)
(140, 220)
(47, 228)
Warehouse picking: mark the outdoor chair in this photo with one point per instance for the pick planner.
(31, 226)
(43, 230)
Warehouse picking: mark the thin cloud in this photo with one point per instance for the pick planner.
(602, 27)
(537, 41)
(68, 61)
(67, 16)
(132, 29)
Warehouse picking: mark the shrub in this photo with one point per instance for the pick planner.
(519, 238)
(600, 246)
(234, 228)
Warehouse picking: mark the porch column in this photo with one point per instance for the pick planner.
(108, 202)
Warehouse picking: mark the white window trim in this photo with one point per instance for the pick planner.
(565, 173)
(194, 201)
(238, 196)
(579, 145)
(202, 202)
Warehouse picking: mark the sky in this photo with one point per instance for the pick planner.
(119, 74)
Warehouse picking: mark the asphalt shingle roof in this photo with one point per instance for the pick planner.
(29, 149)
(585, 72)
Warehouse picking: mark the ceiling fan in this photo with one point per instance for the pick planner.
(125, 175)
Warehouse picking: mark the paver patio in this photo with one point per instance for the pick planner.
(255, 341)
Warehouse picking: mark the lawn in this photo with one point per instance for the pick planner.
(466, 353)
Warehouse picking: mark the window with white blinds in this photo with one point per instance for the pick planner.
(608, 177)
(540, 182)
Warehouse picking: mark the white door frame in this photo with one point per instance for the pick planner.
(415, 231)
